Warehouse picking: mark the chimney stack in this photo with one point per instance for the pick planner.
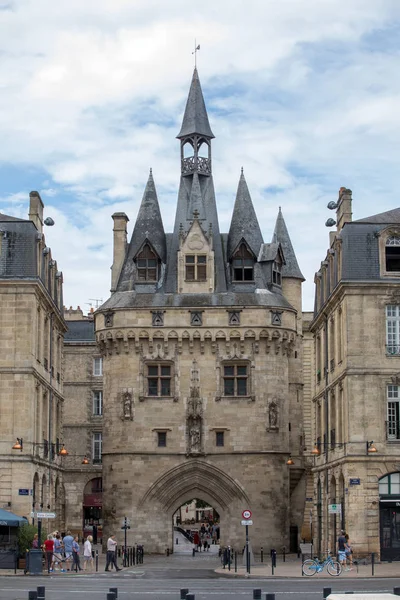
(120, 243)
(343, 211)
(36, 210)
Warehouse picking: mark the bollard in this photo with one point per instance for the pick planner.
(257, 594)
(111, 596)
(235, 561)
(396, 591)
(269, 596)
(32, 596)
(184, 591)
(326, 592)
(41, 593)
(167, 552)
(373, 563)
(114, 591)
(97, 560)
(284, 554)
(262, 554)
(190, 597)
(229, 559)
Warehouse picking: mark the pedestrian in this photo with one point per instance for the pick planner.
(205, 543)
(75, 555)
(35, 542)
(67, 542)
(342, 549)
(49, 548)
(196, 540)
(87, 553)
(111, 553)
(349, 553)
(58, 559)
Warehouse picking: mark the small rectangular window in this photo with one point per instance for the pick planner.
(97, 403)
(98, 366)
(161, 439)
(195, 267)
(97, 447)
(219, 438)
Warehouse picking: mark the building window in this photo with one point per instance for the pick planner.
(97, 403)
(276, 273)
(147, 264)
(219, 438)
(393, 432)
(162, 439)
(390, 485)
(235, 380)
(98, 367)
(392, 254)
(97, 447)
(393, 329)
(159, 380)
(195, 267)
(243, 264)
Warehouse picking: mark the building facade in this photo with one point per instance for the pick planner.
(31, 390)
(355, 416)
(201, 342)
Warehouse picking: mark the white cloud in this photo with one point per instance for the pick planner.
(298, 94)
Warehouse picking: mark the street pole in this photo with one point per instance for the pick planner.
(39, 521)
(125, 550)
(247, 550)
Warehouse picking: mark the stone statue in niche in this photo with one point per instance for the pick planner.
(127, 402)
(195, 436)
(194, 413)
(273, 416)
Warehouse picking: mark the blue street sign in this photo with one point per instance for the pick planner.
(355, 481)
(24, 492)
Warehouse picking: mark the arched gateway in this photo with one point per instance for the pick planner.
(201, 346)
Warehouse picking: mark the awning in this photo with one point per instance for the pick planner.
(10, 520)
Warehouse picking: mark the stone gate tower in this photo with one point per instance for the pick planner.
(202, 361)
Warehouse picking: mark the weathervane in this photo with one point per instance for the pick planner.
(196, 47)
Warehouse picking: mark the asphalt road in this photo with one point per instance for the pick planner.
(160, 584)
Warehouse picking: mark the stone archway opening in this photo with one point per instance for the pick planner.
(196, 526)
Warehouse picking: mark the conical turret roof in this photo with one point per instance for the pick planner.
(244, 223)
(281, 235)
(195, 119)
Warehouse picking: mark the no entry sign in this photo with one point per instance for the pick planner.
(246, 514)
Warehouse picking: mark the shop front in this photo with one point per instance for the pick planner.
(92, 510)
(389, 517)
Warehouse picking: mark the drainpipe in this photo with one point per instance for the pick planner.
(326, 403)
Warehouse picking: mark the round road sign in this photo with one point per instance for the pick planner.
(246, 514)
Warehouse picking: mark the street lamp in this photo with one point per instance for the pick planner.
(371, 449)
(19, 444)
(85, 460)
(290, 461)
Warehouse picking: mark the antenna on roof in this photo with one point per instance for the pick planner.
(97, 302)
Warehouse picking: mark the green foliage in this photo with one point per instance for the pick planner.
(201, 503)
(25, 538)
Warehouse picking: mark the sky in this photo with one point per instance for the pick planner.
(303, 94)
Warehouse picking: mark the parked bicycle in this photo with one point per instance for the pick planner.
(311, 566)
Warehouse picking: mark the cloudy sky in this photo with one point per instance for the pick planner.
(304, 94)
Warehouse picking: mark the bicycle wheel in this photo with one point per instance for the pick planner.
(334, 568)
(309, 567)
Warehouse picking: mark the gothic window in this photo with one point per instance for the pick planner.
(157, 318)
(159, 380)
(98, 366)
(161, 439)
(243, 264)
(97, 403)
(235, 379)
(276, 318)
(276, 273)
(234, 317)
(393, 329)
(196, 317)
(219, 438)
(195, 267)
(392, 253)
(147, 264)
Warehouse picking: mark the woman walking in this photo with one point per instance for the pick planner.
(87, 553)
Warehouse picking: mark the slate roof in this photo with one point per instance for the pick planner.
(387, 218)
(8, 218)
(80, 331)
(268, 252)
(244, 223)
(195, 118)
(18, 257)
(281, 235)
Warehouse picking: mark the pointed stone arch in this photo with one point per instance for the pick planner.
(196, 475)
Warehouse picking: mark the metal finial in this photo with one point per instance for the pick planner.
(196, 48)
(151, 171)
(241, 170)
(196, 214)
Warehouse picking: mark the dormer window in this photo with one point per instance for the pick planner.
(276, 273)
(243, 264)
(195, 267)
(392, 254)
(147, 264)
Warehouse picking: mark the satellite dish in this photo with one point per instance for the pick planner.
(332, 205)
(330, 223)
(49, 222)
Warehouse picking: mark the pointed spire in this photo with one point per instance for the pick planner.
(244, 222)
(195, 119)
(281, 235)
(149, 223)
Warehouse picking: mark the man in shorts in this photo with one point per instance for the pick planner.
(67, 541)
(342, 545)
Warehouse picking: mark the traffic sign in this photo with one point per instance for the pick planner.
(334, 509)
(247, 522)
(43, 515)
(246, 514)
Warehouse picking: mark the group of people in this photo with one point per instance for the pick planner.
(345, 551)
(64, 554)
(208, 534)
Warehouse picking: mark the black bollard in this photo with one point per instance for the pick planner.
(269, 596)
(41, 593)
(190, 597)
(326, 592)
(114, 591)
(262, 554)
(111, 596)
(167, 552)
(396, 591)
(97, 560)
(32, 595)
(184, 591)
(373, 563)
(193, 551)
(257, 594)
(235, 561)
(284, 554)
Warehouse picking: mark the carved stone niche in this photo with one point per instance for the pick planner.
(273, 416)
(395, 379)
(127, 406)
(109, 318)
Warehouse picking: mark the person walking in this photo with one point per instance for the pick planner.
(49, 548)
(349, 553)
(111, 553)
(342, 548)
(67, 542)
(87, 553)
(58, 559)
(75, 555)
